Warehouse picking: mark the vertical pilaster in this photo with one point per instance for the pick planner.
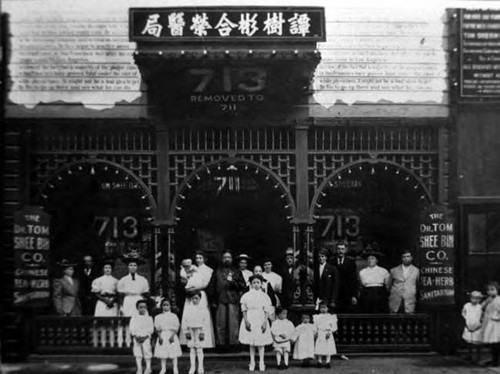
(163, 197)
(302, 182)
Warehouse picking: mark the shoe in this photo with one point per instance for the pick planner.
(191, 370)
(251, 367)
(262, 367)
(201, 371)
(147, 371)
(139, 371)
(319, 364)
(344, 357)
(306, 363)
(327, 365)
(285, 366)
(281, 366)
(163, 371)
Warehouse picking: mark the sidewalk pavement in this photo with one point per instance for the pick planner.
(429, 364)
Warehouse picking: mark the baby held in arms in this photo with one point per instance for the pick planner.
(188, 275)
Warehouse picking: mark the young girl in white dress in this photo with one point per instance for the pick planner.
(283, 332)
(304, 343)
(194, 321)
(326, 325)
(254, 328)
(491, 323)
(472, 313)
(167, 346)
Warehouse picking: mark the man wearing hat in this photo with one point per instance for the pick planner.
(243, 260)
(132, 287)
(65, 291)
(290, 280)
(327, 285)
(403, 285)
(374, 284)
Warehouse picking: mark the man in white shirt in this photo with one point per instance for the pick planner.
(274, 279)
(403, 284)
(374, 283)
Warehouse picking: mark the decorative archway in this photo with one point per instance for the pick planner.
(100, 208)
(231, 162)
(230, 203)
(370, 202)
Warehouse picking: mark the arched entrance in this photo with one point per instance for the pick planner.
(370, 202)
(99, 208)
(237, 205)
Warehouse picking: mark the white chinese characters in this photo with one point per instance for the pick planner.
(249, 24)
(152, 26)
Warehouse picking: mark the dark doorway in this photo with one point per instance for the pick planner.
(375, 205)
(236, 207)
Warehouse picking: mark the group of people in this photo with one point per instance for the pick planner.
(311, 340)
(482, 323)
(101, 296)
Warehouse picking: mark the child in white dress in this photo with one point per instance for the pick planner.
(283, 332)
(491, 323)
(326, 325)
(254, 328)
(304, 343)
(472, 312)
(194, 330)
(167, 346)
(141, 328)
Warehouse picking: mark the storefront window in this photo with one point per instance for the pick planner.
(483, 232)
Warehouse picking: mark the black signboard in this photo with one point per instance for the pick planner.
(437, 257)
(480, 53)
(216, 24)
(31, 252)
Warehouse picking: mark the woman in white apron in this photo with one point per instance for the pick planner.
(199, 282)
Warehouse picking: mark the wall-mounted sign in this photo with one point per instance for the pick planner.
(437, 257)
(480, 53)
(31, 252)
(216, 24)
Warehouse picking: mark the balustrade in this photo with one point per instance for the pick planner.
(356, 333)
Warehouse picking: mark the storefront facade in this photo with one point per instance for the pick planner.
(168, 143)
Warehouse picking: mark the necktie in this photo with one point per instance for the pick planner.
(133, 276)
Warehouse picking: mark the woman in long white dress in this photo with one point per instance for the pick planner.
(254, 329)
(199, 281)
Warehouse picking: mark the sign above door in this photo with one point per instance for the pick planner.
(227, 24)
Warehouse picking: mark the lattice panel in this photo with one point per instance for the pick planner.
(232, 139)
(134, 149)
(413, 148)
(374, 139)
(45, 165)
(182, 165)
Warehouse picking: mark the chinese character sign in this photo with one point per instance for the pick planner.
(218, 24)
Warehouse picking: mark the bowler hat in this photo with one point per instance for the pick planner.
(64, 263)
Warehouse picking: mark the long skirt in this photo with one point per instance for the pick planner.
(373, 300)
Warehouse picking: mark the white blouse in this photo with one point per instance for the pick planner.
(374, 276)
(105, 284)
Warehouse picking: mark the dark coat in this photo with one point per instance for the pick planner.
(222, 291)
(348, 280)
(289, 286)
(327, 288)
(88, 299)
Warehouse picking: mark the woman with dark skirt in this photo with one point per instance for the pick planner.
(374, 285)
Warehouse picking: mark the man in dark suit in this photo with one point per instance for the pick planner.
(327, 285)
(348, 279)
(290, 279)
(87, 276)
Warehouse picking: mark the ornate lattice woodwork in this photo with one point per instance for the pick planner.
(413, 148)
